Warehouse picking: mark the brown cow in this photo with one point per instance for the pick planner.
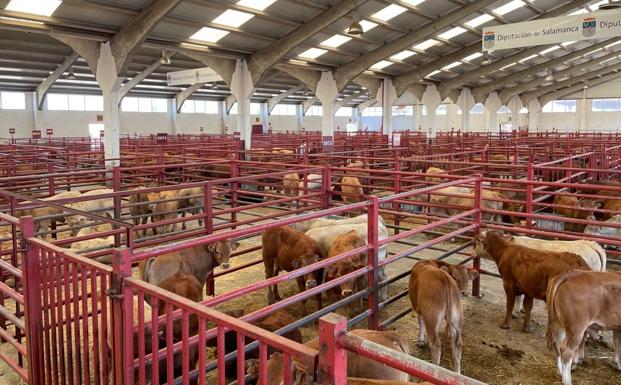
(198, 261)
(342, 244)
(357, 366)
(577, 300)
(613, 205)
(191, 200)
(163, 211)
(580, 209)
(432, 171)
(523, 270)
(434, 292)
(352, 190)
(290, 184)
(139, 208)
(284, 248)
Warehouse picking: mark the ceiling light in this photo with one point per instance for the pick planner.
(259, 5)
(210, 35)
(336, 41)
(298, 62)
(451, 33)
(389, 12)
(381, 65)
(35, 7)
(312, 53)
(484, 18)
(355, 28)
(595, 7)
(426, 44)
(509, 7)
(71, 75)
(472, 57)
(403, 55)
(232, 18)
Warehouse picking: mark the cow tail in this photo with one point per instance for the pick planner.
(602, 255)
(551, 291)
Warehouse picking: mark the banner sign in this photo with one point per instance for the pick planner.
(595, 25)
(197, 75)
(161, 137)
(36, 134)
(12, 131)
(49, 131)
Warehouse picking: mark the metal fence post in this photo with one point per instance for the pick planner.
(372, 261)
(116, 187)
(327, 187)
(478, 219)
(32, 309)
(208, 223)
(121, 298)
(528, 207)
(397, 189)
(332, 368)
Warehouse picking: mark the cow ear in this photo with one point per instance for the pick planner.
(472, 274)
(211, 247)
(235, 245)
(296, 263)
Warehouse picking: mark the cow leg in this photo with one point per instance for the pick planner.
(421, 331)
(275, 288)
(433, 334)
(201, 220)
(528, 307)
(269, 273)
(510, 293)
(453, 331)
(301, 287)
(383, 292)
(183, 225)
(519, 304)
(579, 355)
(144, 222)
(616, 335)
(568, 348)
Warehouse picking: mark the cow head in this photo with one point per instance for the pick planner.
(221, 252)
(303, 261)
(343, 268)
(300, 375)
(461, 274)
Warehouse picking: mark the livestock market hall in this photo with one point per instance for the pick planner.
(310, 192)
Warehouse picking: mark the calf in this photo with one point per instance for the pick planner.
(613, 205)
(352, 190)
(578, 209)
(313, 182)
(43, 225)
(139, 208)
(191, 200)
(432, 171)
(434, 293)
(523, 270)
(577, 300)
(284, 248)
(98, 206)
(605, 231)
(344, 243)
(164, 208)
(290, 185)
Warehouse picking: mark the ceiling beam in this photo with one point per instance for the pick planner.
(138, 78)
(308, 77)
(370, 83)
(44, 87)
(345, 73)
(308, 103)
(344, 101)
(545, 99)
(182, 96)
(268, 56)
(481, 92)
(87, 49)
(282, 96)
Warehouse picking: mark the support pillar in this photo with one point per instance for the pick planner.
(299, 114)
(242, 89)
(515, 105)
(534, 110)
(110, 85)
(389, 96)
(431, 100)
(35, 111)
(465, 102)
(492, 105)
(583, 111)
(173, 116)
(358, 118)
(327, 93)
(264, 117)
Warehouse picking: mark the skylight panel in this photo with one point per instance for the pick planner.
(592, 52)
(433, 73)
(484, 18)
(312, 53)
(452, 65)
(507, 66)
(259, 5)
(413, 2)
(403, 55)
(548, 50)
(578, 12)
(528, 58)
(233, 18)
(568, 43)
(613, 44)
(208, 34)
(381, 65)
(389, 12)
(607, 60)
(451, 33)
(336, 41)
(472, 57)
(35, 7)
(426, 44)
(509, 7)
(367, 25)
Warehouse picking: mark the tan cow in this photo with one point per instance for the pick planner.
(432, 171)
(42, 225)
(434, 293)
(290, 184)
(139, 208)
(164, 207)
(352, 190)
(342, 244)
(580, 209)
(97, 206)
(576, 301)
(191, 200)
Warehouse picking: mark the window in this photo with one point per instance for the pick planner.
(93, 103)
(57, 102)
(74, 102)
(144, 105)
(504, 110)
(478, 109)
(423, 110)
(610, 104)
(200, 107)
(315, 111)
(12, 100)
(255, 108)
(284, 109)
(560, 106)
(524, 110)
(402, 110)
(442, 109)
(233, 110)
(344, 111)
(372, 111)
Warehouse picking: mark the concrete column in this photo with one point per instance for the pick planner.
(465, 103)
(534, 109)
(242, 89)
(582, 111)
(299, 114)
(515, 105)
(173, 116)
(265, 118)
(327, 93)
(417, 114)
(431, 99)
(32, 105)
(389, 95)
(492, 104)
(110, 85)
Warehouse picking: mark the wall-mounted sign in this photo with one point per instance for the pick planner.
(327, 142)
(100, 118)
(101, 133)
(161, 137)
(36, 134)
(49, 131)
(12, 131)
(595, 25)
(197, 75)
